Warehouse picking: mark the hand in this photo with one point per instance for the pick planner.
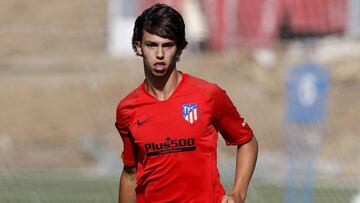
(231, 198)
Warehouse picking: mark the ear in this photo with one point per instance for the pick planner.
(138, 48)
(178, 54)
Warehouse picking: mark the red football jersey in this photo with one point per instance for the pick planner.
(173, 142)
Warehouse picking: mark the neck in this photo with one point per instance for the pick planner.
(162, 88)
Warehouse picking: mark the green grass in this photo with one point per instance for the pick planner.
(55, 188)
(270, 193)
(275, 194)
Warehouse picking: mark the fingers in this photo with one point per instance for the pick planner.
(231, 199)
(224, 199)
(228, 199)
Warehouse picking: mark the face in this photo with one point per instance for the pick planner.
(159, 54)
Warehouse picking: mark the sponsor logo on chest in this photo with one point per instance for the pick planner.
(170, 146)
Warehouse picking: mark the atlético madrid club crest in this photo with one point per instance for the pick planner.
(190, 112)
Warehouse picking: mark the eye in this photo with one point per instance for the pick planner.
(151, 45)
(168, 45)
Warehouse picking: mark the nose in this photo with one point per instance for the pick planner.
(160, 53)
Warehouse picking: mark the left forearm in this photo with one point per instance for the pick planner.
(245, 164)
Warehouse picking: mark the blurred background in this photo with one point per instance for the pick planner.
(290, 66)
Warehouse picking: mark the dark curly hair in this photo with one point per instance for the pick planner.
(161, 20)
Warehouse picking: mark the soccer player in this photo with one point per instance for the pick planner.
(170, 123)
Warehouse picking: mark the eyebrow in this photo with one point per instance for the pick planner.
(150, 42)
(156, 43)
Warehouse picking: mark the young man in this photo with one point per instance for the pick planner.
(170, 124)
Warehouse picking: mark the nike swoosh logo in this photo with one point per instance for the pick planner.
(141, 122)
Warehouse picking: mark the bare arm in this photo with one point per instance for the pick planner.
(246, 157)
(127, 185)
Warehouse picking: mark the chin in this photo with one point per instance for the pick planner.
(160, 73)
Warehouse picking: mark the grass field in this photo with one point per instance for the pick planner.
(56, 189)
(268, 193)
(46, 188)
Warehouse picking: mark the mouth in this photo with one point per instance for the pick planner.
(159, 66)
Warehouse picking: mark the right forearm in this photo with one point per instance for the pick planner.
(127, 187)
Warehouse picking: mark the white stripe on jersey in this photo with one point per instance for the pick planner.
(195, 114)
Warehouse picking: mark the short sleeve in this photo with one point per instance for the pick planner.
(228, 120)
(122, 123)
